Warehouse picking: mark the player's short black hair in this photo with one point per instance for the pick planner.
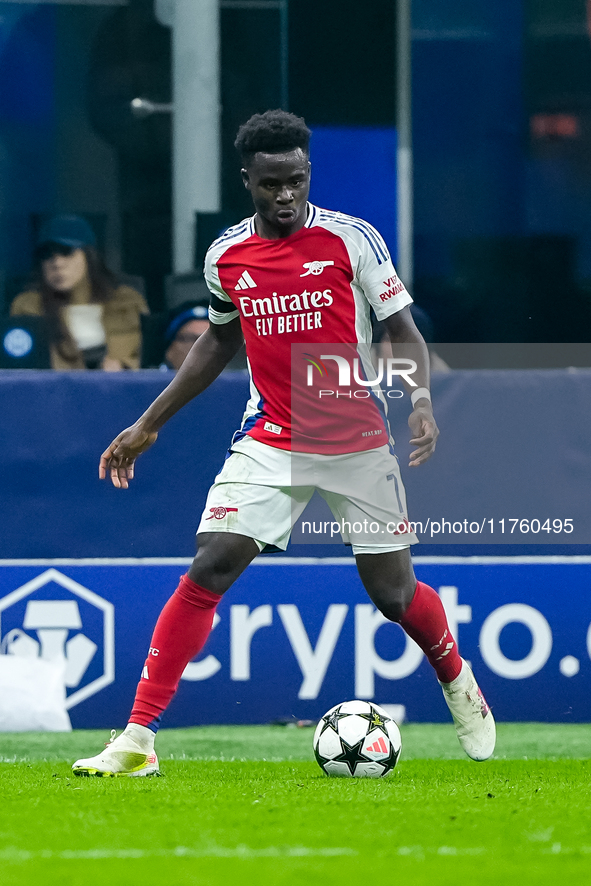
(273, 132)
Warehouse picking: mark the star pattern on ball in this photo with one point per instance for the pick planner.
(375, 719)
(333, 718)
(351, 755)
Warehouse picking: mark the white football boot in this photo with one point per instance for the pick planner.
(474, 722)
(130, 754)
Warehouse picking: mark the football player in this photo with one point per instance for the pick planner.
(295, 274)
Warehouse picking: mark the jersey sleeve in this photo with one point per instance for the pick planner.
(377, 276)
(221, 307)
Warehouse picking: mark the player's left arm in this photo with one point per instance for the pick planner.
(408, 343)
(390, 301)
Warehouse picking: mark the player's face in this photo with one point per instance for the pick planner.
(279, 185)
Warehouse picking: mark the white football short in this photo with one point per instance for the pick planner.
(262, 491)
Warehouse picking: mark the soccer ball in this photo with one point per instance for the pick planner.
(357, 739)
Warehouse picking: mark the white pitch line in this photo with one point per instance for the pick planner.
(418, 853)
(21, 855)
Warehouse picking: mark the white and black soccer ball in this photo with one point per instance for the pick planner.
(357, 739)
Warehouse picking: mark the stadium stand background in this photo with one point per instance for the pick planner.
(501, 104)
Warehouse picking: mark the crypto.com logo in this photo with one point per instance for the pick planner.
(55, 629)
(387, 370)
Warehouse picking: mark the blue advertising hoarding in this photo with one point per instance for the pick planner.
(296, 636)
(480, 474)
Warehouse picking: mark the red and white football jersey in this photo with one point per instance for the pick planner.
(313, 288)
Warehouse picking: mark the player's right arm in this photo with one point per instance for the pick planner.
(207, 358)
(388, 297)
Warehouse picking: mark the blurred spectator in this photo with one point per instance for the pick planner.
(188, 322)
(185, 325)
(94, 322)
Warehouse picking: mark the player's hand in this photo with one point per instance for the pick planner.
(425, 433)
(117, 462)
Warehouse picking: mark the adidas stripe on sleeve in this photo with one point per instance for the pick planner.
(377, 276)
(374, 272)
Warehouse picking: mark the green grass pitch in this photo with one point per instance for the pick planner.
(246, 805)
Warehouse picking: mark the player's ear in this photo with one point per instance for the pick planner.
(245, 178)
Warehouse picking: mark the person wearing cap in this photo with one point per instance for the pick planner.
(188, 323)
(94, 322)
(185, 325)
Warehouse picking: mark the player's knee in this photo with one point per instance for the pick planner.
(211, 571)
(220, 559)
(393, 601)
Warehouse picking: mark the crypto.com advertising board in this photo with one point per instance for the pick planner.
(293, 637)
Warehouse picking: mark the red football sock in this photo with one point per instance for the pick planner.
(425, 621)
(180, 633)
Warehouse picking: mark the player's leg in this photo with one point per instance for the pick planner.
(186, 620)
(249, 500)
(365, 492)
(390, 581)
(180, 633)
